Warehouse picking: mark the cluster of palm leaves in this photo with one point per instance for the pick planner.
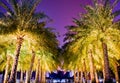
(26, 45)
(93, 44)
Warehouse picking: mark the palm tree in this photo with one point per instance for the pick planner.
(114, 66)
(37, 72)
(18, 19)
(28, 75)
(92, 70)
(6, 46)
(102, 20)
(100, 25)
(47, 49)
(72, 48)
(39, 41)
(43, 43)
(7, 69)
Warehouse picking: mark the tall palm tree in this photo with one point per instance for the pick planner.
(38, 42)
(20, 17)
(48, 54)
(37, 72)
(6, 46)
(114, 67)
(78, 48)
(7, 69)
(99, 20)
(72, 49)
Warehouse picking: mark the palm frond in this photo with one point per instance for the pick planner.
(116, 13)
(115, 3)
(7, 6)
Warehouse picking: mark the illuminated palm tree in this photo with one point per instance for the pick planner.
(6, 50)
(7, 69)
(73, 50)
(100, 17)
(20, 17)
(100, 28)
(47, 52)
(42, 43)
(39, 42)
(79, 49)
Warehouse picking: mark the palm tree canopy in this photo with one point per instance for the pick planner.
(20, 16)
(92, 27)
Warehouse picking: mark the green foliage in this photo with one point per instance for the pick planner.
(22, 20)
(92, 27)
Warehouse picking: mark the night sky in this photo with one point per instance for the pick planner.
(62, 13)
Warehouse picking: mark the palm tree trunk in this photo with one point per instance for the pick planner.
(81, 76)
(116, 73)
(37, 72)
(41, 75)
(75, 77)
(15, 63)
(78, 76)
(27, 76)
(103, 73)
(85, 71)
(106, 64)
(30, 69)
(7, 70)
(92, 74)
(37, 77)
(96, 77)
(21, 77)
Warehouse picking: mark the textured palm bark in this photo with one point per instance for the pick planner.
(41, 74)
(78, 76)
(27, 76)
(43, 77)
(7, 70)
(30, 69)
(103, 72)
(15, 63)
(37, 72)
(116, 73)
(85, 71)
(21, 76)
(96, 77)
(43, 80)
(106, 64)
(81, 76)
(75, 81)
(92, 71)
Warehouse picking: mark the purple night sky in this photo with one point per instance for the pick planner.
(62, 13)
